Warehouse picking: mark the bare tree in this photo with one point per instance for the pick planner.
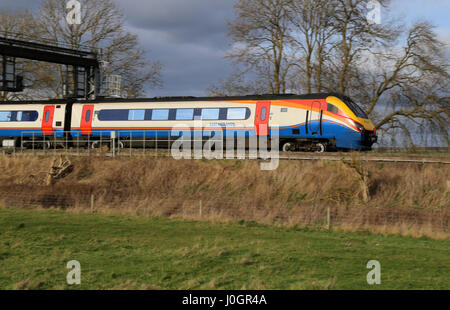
(21, 25)
(260, 35)
(237, 85)
(312, 33)
(102, 27)
(400, 77)
(407, 87)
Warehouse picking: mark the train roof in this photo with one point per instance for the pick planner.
(188, 98)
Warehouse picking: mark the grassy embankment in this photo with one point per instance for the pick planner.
(124, 252)
(405, 199)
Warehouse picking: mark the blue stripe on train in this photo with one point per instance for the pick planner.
(344, 136)
(31, 132)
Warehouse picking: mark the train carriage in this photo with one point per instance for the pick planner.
(26, 120)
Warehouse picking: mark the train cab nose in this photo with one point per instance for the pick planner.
(369, 137)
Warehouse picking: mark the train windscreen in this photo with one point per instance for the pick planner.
(355, 108)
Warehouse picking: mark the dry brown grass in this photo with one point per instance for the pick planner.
(407, 199)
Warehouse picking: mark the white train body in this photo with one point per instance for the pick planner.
(330, 119)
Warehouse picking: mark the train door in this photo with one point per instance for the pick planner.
(47, 120)
(314, 121)
(262, 118)
(86, 119)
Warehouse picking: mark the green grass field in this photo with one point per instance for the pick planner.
(119, 252)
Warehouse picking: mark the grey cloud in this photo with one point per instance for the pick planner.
(201, 21)
(18, 4)
(189, 68)
(187, 36)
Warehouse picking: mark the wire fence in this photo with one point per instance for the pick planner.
(106, 143)
(159, 143)
(433, 220)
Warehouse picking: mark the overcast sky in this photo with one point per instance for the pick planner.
(189, 36)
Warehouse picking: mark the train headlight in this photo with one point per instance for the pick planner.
(359, 126)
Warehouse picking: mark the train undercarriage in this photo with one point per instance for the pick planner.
(88, 142)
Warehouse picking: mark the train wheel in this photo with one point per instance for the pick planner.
(287, 147)
(95, 145)
(104, 145)
(321, 147)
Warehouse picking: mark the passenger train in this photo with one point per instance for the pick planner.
(313, 122)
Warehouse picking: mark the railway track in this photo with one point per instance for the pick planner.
(378, 158)
(440, 158)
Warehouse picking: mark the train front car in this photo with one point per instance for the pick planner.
(321, 122)
(352, 127)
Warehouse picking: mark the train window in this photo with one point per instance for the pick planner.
(160, 115)
(263, 113)
(172, 114)
(148, 115)
(18, 116)
(331, 108)
(88, 115)
(47, 116)
(136, 115)
(28, 116)
(210, 114)
(223, 114)
(113, 115)
(5, 116)
(236, 113)
(185, 114)
(284, 109)
(197, 113)
(355, 108)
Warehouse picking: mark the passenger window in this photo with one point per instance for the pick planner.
(263, 114)
(160, 115)
(113, 115)
(284, 109)
(5, 116)
(185, 114)
(19, 116)
(136, 115)
(210, 114)
(236, 113)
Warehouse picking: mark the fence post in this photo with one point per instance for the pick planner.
(168, 146)
(113, 143)
(92, 203)
(201, 208)
(144, 142)
(328, 218)
(66, 137)
(21, 142)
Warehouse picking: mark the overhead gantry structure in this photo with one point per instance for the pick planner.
(85, 67)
